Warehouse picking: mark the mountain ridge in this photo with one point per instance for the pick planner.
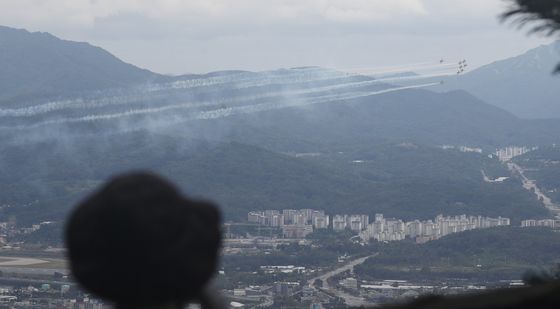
(38, 65)
(524, 85)
(255, 118)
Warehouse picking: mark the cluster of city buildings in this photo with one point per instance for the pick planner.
(462, 148)
(367, 292)
(551, 223)
(33, 228)
(287, 269)
(276, 218)
(508, 153)
(384, 291)
(300, 223)
(383, 229)
(47, 296)
(355, 223)
(265, 296)
(503, 154)
(10, 231)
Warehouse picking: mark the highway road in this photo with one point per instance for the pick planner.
(349, 300)
(531, 185)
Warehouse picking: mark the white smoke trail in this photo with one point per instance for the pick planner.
(293, 76)
(401, 69)
(390, 68)
(227, 112)
(78, 103)
(415, 77)
(248, 80)
(75, 104)
(220, 112)
(144, 95)
(319, 74)
(238, 81)
(112, 101)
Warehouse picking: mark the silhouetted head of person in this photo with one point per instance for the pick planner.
(138, 242)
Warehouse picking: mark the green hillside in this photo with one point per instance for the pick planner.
(418, 182)
(492, 254)
(543, 166)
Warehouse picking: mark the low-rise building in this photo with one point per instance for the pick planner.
(349, 283)
(296, 231)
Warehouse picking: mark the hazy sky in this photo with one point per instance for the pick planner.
(179, 36)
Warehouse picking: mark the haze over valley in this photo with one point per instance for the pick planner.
(310, 127)
(411, 142)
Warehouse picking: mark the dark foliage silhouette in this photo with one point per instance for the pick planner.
(544, 14)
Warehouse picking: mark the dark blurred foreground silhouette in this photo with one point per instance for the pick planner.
(139, 244)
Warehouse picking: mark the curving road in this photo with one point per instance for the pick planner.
(350, 300)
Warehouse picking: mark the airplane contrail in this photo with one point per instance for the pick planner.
(147, 93)
(415, 77)
(220, 112)
(131, 99)
(246, 80)
(249, 79)
(394, 67)
(81, 103)
(255, 79)
(317, 74)
(402, 69)
(135, 98)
